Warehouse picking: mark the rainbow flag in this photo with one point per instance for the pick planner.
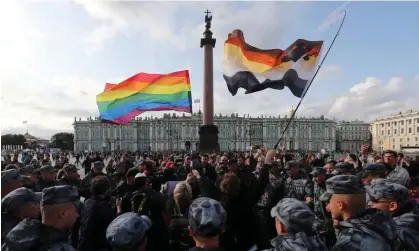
(143, 92)
(254, 69)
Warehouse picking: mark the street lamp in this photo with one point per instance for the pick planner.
(250, 131)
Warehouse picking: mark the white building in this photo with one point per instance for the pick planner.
(351, 135)
(173, 132)
(395, 131)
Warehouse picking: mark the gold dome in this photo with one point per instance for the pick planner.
(292, 109)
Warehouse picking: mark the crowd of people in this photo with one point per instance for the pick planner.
(175, 201)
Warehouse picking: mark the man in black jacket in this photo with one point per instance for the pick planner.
(125, 189)
(96, 216)
(146, 201)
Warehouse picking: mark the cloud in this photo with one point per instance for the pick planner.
(121, 18)
(170, 25)
(374, 98)
(53, 105)
(17, 43)
(366, 101)
(327, 73)
(49, 95)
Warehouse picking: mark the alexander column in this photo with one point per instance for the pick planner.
(208, 132)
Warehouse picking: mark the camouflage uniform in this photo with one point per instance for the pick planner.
(344, 168)
(127, 231)
(13, 201)
(10, 180)
(374, 169)
(298, 218)
(407, 214)
(371, 230)
(41, 184)
(31, 170)
(323, 224)
(10, 176)
(207, 217)
(31, 234)
(71, 182)
(298, 188)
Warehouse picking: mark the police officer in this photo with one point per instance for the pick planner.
(293, 222)
(394, 199)
(70, 176)
(373, 171)
(207, 220)
(297, 185)
(16, 206)
(128, 232)
(344, 168)
(10, 181)
(323, 223)
(59, 211)
(31, 176)
(359, 228)
(47, 178)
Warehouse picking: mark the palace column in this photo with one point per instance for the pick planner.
(309, 138)
(90, 136)
(208, 132)
(135, 138)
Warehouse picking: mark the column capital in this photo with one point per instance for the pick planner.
(208, 41)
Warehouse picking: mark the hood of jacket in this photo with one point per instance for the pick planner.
(24, 236)
(375, 223)
(298, 242)
(408, 227)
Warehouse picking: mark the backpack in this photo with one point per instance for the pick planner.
(141, 203)
(179, 233)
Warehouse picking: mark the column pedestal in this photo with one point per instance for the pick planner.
(208, 139)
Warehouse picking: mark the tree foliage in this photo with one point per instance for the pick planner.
(62, 140)
(13, 139)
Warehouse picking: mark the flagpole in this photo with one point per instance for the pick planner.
(308, 87)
